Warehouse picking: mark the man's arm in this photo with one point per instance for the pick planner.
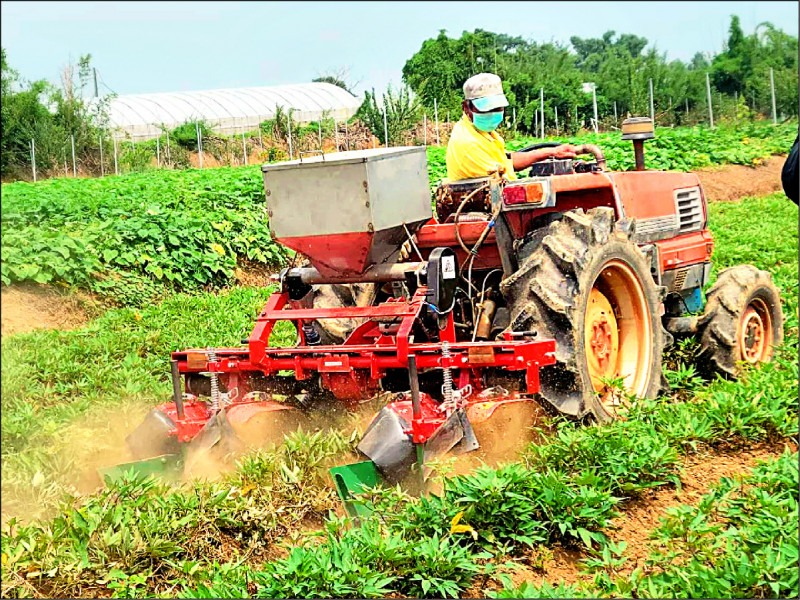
(789, 177)
(523, 160)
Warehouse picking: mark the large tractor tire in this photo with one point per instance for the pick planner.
(586, 284)
(742, 321)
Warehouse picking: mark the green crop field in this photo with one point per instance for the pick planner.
(138, 237)
(162, 247)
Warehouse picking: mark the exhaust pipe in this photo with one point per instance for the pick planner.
(595, 150)
(638, 129)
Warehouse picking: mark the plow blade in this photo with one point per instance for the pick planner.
(395, 458)
(354, 479)
(236, 429)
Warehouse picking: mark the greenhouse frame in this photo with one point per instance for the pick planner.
(227, 111)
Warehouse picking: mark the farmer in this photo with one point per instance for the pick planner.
(789, 177)
(475, 149)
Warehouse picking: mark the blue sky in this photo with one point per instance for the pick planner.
(141, 47)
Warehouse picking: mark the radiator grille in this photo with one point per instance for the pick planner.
(680, 279)
(689, 208)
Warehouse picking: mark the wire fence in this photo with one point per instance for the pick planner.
(220, 143)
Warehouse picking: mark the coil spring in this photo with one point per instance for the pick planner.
(447, 375)
(215, 396)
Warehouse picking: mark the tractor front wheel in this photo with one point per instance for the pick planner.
(742, 321)
(587, 285)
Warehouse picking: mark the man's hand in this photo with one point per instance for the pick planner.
(565, 151)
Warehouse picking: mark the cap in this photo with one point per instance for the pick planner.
(486, 91)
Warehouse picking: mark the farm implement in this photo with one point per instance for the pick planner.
(545, 292)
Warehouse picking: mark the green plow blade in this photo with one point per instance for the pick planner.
(167, 466)
(354, 479)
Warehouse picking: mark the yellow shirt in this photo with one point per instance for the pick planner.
(475, 153)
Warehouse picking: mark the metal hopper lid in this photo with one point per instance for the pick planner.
(347, 157)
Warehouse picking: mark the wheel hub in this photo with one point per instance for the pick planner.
(754, 342)
(602, 338)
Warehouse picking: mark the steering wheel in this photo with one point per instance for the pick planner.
(539, 146)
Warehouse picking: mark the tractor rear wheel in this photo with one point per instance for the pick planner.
(588, 286)
(742, 321)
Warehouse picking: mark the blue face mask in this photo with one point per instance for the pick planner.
(487, 121)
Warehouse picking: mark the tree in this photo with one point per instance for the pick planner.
(401, 108)
(339, 77)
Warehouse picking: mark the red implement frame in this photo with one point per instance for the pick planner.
(353, 369)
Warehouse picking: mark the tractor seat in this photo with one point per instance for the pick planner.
(449, 196)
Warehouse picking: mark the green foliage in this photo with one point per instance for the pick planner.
(528, 590)
(620, 66)
(620, 459)
(26, 115)
(401, 109)
(185, 135)
(135, 236)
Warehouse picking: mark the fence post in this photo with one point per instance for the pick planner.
(541, 110)
(74, 166)
(385, 129)
(594, 105)
(514, 117)
(652, 108)
(555, 110)
(158, 152)
(33, 159)
(199, 142)
(289, 121)
(708, 95)
(536, 122)
(336, 134)
(687, 107)
(616, 118)
(102, 166)
(436, 116)
(244, 149)
(772, 91)
(116, 165)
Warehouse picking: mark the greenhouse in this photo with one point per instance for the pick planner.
(228, 111)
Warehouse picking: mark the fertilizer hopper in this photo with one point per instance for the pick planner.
(348, 212)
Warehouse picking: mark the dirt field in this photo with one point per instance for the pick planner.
(25, 307)
(730, 183)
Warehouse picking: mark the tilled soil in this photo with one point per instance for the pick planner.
(24, 307)
(731, 183)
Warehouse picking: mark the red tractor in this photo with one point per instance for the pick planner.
(546, 290)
